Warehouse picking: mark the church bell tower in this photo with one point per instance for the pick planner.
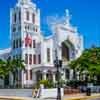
(25, 30)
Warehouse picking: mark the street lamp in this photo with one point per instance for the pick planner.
(58, 65)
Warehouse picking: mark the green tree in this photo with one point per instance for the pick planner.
(88, 62)
(3, 69)
(16, 66)
(11, 66)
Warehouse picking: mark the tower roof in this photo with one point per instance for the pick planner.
(24, 1)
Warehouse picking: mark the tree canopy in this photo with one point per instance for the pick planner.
(10, 66)
(88, 62)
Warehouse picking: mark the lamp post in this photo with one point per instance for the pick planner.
(58, 65)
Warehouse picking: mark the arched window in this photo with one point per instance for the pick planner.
(39, 59)
(65, 52)
(33, 18)
(26, 74)
(27, 15)
(17, 43)
(34, 44)
(26, 58)
(14, 18)
(20, 42)
(19, 28)
(13, 44)
(34, 59)
(30, 74)
(30, 59)
(36, 29)
(30, 45)
(19, 15)
(13, 29)
(48, 54)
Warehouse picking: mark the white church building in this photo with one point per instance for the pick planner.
(37, 50)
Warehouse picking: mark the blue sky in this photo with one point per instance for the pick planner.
(85, 15)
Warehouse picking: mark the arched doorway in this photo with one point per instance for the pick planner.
(49, 75)
(67, 51)
(67, 73)
(38, 76)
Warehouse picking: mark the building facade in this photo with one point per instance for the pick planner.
(38, 51)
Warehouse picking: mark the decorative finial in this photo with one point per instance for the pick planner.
(67, 17)
(67, 12)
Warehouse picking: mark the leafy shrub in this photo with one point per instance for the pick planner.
(47, 83)
(75, 83)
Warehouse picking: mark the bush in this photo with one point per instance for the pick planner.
(75, 83)
(46, 83)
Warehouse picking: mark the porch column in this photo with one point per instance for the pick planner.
(11, 79)
(77, 75)
(64, 75)
(23, 78)
(54, 78)
(71, 74)
(34, 77)
(44, 75)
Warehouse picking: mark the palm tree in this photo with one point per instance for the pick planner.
(15, 66)
(3, 69)
(18, 66)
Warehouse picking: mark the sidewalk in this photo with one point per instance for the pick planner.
(67, 97)
(16, 98)
(73, 97)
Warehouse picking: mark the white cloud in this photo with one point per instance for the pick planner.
(53, 20)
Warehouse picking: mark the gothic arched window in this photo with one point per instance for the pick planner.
(39, 59)
(34, 59)
(26, 74)
(33, 18)
(17, 43)
(13, 44)
(14, 29)
(14, 18)
(27, 15)
(26, 58)
(30, 59)
(20, 42)
(19, 15)
(31, 74)
(34, 44)
(48, 54)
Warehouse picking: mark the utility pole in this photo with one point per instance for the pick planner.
(58, 65)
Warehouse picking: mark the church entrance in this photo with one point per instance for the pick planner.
(67, 73)
(49, 75)
(68, 51)
(38, 76)
(65, 52)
